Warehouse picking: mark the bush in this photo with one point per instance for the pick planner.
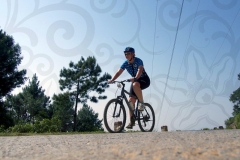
(237, 121)
(22, 128)
(46, 125)
(2, 128)
(229, 122)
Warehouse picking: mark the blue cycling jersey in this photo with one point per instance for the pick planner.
(132, 68)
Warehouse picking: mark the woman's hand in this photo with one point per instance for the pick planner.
(132, 79)
(110, 81)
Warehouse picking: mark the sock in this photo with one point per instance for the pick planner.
(141, 102)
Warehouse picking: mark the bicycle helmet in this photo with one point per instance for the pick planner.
(130, 49)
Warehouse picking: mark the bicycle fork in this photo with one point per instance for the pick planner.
(115, 108)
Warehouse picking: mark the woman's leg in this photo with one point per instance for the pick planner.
(138, 91)
(133, 100)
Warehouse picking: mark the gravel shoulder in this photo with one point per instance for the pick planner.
(212, 144)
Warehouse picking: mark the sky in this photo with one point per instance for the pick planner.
(190, 50)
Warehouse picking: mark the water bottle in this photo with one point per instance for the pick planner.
(131, 105)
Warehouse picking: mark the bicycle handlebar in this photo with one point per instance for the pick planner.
(126, 80)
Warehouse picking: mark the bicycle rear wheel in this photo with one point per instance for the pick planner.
(114, 116)
(146, 118)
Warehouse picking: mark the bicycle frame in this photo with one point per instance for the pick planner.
(123, 95)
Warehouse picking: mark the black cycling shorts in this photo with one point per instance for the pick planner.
(144, 83)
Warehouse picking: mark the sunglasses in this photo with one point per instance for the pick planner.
(127, 53)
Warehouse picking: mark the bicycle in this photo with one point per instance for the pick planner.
(115, 113)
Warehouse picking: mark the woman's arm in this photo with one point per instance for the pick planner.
(118, 73)
(139, 72)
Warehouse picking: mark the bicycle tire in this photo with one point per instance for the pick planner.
(111, 120)
(146, 118)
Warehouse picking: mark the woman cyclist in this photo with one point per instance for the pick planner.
(140, 80)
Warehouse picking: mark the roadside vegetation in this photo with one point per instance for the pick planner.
(32, 112)
(234, 121)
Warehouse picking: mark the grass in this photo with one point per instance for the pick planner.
(60, 133)
(49, 133)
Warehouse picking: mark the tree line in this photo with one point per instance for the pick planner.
(234, 121)
(33, 111)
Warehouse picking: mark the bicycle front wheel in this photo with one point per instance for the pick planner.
(146, 118)
(114, 116)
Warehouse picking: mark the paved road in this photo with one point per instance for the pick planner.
(217, 144)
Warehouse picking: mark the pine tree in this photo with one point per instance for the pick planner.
(10, 57)
(234, 122)
(10, 76)
(235, 98)
(35, 101)
(5, 119)
(87, 120)
(82, 78)
(63, 110)
(16, 109)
